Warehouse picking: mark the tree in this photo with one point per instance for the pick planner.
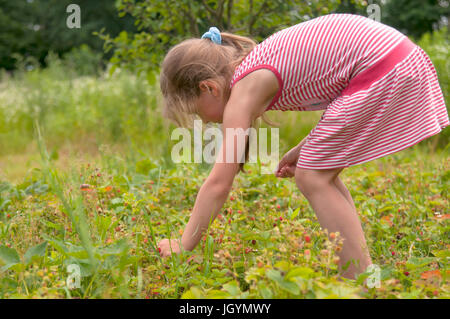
(163, 23)
(415, 17)
(32, 28)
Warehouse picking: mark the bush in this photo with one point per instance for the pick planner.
(84, 60)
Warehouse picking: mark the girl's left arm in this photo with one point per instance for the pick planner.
(249, 99)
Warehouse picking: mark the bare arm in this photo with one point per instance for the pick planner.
(249, 99)
(247, 102)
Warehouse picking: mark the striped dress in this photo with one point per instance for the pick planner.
(380, 91)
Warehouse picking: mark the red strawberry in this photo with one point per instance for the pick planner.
(307, 238)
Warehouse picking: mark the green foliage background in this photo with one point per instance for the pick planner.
(30, 29)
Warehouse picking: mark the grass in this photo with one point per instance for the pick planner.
(97, 190)
(256, 248)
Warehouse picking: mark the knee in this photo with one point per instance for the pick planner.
(310, 181)
(306, 181)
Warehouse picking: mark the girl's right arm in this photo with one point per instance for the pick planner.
(249, 99)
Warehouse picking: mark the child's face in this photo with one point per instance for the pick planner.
(210, 104)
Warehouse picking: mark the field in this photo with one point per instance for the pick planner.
(97, 189)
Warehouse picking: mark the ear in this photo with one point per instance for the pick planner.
(210, 86)
(214, 89)
(205, 86)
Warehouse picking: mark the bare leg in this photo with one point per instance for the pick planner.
(336, 214)
(343, 189)
(340, 185)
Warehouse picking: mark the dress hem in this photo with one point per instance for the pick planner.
(377, 156)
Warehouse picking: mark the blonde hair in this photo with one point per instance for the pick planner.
(195, 60)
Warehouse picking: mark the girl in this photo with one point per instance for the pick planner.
(379, 91)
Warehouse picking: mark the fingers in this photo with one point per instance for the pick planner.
(280, 165)
(282, 162)
(164, 248)
(289, 159)
(164, 252)
(286, 171)
(280, 172)
(290, 170)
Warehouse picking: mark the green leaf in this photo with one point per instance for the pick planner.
(295, 213)
(265, 291)
(193, 293)
(36, 251)
(274, 275)
(290, 287)
(416, 262)
(386, 208)
(283, 265)
(112, 69)
(217, 294)
(9, 257)
(117, 248)
(441, 253)
(303, 272)
(232, 288)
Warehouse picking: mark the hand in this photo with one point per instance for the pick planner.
(287, 165)
(164, 247)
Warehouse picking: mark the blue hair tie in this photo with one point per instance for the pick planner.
(214, 35)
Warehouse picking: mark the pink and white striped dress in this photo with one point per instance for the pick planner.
(379, 90)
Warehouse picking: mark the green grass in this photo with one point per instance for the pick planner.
(106, 134)
(255, 249)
